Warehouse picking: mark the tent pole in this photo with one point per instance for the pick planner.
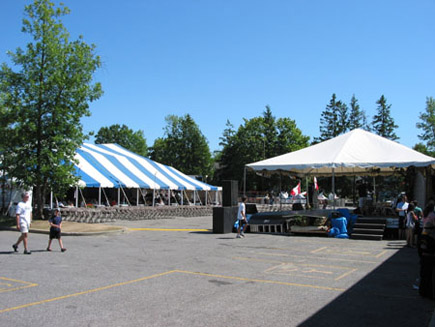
(99, 196)
(194, 197)
(244, 181)
(374, 190)
(333, 186)
(84, 201)
(119, 195)
(105, 196)
(353, 191)
(51, 199)
(143, 196)
(206, 198)
(77, 196)
(125, 196)
(169, 197)
(182, 197)
(154, 197)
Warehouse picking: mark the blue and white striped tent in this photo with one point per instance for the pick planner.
(112, 166)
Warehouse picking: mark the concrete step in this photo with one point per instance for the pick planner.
(371, 220)
(369, 225)
(366, 237)
(368, 231)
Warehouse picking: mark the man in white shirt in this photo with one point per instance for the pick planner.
(401, 209)
(241, 216)
(24, 219)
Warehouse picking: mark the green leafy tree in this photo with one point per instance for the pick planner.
(427, 125)
(8, 137)
(420, 147)
(256, 139)
(124, 136)
(334, 120)
(183, 146)
(50, 91)
(383, 123)
(357, 116)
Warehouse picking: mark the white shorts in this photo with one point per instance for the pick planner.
(24, 227)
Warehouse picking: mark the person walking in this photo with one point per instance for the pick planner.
(411, 219)
(24, 219)
(418, 224)
(55, 230)
(241, 216)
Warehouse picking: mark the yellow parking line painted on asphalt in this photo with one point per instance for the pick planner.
(320, 249)
(86, 292)
(171, 229)
(280, 263)
(263, 281)
(313, 258)
(381, 254)
(9, 289)
(164, 274)
(346, 274)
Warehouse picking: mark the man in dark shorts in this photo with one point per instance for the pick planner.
(401, 208)
(55, 230)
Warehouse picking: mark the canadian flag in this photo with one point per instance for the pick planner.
(296, 190)
(316, 186)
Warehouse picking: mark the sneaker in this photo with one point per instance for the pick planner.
(15, 247)
(242, 234)
(48, 249)
(63, 250)
(27, 252)
(239, 236)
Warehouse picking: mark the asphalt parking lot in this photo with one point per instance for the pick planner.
(175, 272)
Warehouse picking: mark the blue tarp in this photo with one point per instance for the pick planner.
(338, 228)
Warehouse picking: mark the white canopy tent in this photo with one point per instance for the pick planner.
(355, 153)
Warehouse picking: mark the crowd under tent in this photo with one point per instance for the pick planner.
(357, 153)
(109, 167)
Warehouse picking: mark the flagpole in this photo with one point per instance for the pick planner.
(307, 203)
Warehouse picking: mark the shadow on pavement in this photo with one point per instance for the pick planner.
(385, 297)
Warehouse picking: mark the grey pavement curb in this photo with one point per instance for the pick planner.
(40, 231)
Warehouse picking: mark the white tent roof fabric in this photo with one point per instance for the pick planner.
(112, 166)
(355, 153)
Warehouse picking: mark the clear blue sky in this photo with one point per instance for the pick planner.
(228, 59)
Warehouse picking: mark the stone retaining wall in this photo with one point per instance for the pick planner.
(109, 214)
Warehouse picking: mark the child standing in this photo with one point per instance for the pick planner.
(55, 230)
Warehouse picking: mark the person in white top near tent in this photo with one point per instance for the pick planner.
(241, 216)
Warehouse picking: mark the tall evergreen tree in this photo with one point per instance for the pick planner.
(269, 133)
(342, 118)
(357, 116)
(334, 120)
(427, 125)
(383, 123)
